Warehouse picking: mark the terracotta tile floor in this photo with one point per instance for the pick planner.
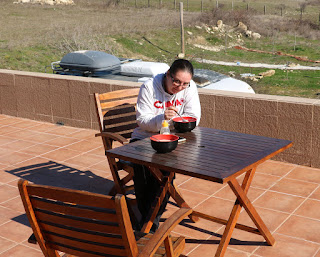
(286, 196)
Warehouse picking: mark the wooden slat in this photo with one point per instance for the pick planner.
(119, 111)
(119, 93)
(142, 242)
(84, 234)
(22, 185)
(224, 222)
(75, 252)
(98, 110)
(121, 129)
(179, 246)
(121, 115)
(169, 247)
(120, 124)
(72, 196)
(63, 220)
(124, 102)
(120, 251)
(75, 210)
(126, 226)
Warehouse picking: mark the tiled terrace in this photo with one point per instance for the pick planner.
(287, 196)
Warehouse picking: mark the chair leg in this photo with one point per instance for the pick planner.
(32, 239)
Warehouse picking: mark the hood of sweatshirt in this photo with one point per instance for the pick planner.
(158, 83)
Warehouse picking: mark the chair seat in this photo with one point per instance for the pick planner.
(178, 244)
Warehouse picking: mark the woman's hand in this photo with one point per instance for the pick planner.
(170, 112)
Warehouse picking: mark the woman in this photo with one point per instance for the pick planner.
(161, 98)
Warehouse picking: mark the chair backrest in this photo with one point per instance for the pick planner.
(77, 222)
(116, 111)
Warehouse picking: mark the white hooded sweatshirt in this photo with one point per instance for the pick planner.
(151, 107)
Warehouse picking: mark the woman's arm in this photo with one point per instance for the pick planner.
(147, 119)
(192, 105)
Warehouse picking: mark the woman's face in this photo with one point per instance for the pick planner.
(178, 81)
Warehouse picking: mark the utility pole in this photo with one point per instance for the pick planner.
(182, 30)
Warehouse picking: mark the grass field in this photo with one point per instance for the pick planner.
(35, 35)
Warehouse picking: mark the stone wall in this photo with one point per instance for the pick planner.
(69, 99)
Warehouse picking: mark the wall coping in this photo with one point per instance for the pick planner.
(290, 99)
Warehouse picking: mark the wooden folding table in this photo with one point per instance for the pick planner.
(210, 154)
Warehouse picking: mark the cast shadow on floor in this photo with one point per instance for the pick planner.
(59, 175)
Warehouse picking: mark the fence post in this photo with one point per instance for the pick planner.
(201, 5)
(182, 28)
(264, 10)
(273, 41)
(217, 4)
(225, 41)
(160, 3)
(148, 3)
(301, 11)
(232, 5)
(247, 6)
(187, 5)
(175, 4)
(281, 11)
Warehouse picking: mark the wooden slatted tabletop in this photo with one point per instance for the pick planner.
(210, 154)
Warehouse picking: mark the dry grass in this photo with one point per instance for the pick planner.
(88, 24)
(92, 23)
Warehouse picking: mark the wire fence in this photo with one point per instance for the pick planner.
(293, 10)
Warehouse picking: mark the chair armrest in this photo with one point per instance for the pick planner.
(113, 136)
(163, 232)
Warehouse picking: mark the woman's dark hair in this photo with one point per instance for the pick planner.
(181, 64)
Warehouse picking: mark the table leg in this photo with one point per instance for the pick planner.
(166, 187)
(175, 194)
(242, 200)
(245, 202)
(115, 175)
(156, 204)
(119, 189)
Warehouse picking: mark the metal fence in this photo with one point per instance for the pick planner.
(291, 9)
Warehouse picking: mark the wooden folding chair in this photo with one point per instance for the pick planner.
(88, 224)
(116, 112)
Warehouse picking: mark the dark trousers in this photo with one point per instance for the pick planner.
(146, 187)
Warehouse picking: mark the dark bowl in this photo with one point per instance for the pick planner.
(164, 143)
(184, 126)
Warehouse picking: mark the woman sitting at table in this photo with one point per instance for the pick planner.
(160, 98)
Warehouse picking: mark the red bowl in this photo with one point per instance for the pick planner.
(184, 126)
(164, 143)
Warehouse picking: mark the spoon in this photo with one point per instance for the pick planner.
(184, 120)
